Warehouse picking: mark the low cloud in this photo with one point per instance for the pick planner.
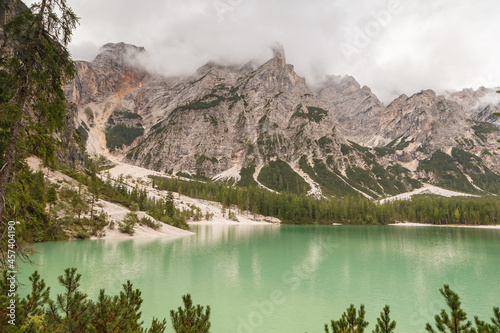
(392, 46)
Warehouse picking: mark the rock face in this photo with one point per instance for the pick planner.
(232, 121)
(356, 108)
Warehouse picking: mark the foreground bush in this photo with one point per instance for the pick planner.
(73, 311)
(353, 321)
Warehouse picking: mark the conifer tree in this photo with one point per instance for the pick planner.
(51, 195)
(70, 312)
(384, 323)
(190, 319)
(34, 62)
(456, 321)
(483, 327)
(350, 322)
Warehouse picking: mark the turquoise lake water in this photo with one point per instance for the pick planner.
(290, 278)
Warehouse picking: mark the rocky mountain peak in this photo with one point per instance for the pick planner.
(118, 56)
(279, 53)
(115, 68)
(278, 60)
(429, 93)
(121, 48)
(349, 81)
(237, 120)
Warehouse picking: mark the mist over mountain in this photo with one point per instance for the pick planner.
(392, 46)
(262, 124)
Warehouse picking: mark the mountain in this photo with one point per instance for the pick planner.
(263, 125)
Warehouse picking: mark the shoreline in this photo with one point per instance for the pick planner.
(468, 226)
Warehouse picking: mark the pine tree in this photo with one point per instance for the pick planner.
(190, 319)
(384, 323)
(483, 327)
(51, 195)
(34, 73)
(70, 312)
(457, 322)
(350, 322)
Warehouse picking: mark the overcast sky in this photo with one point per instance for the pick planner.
(392, 46)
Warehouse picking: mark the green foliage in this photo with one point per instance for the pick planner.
(394, 179)
(447, 173)
(121, 135)
(164, 210)
(70, 311)
(384, 323)
(350, 322)
(483, 327)
(482, 176)
(128, 224)
(351, 209)
(145, 221)
(32, 96)
(279, 176)
(323, 143)
(26, 200)
(393, 142)
(213, 121)
(82, 136)
(269, 144)
(313, 114)
(361, 149)
(183, 174)
(200, 159)
(467, 160)
(330, 182)
(73, 311)
(207, 102)
(423, 149)
(246, 175)
(345, 149)
(400, 146)
(483, 128)
(363, 177)
(382, 151)
(51, 195)
(89, 113)
(455, 322)
(190, 319)
(125, 113)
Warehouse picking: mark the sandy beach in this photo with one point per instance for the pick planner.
(427, 189)
(137, 176)
(412, 224)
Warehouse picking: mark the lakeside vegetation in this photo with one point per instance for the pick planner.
(301, 209)
(75, 311)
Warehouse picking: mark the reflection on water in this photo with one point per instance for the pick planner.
(291, 278)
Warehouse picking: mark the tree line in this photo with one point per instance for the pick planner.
(294, 208)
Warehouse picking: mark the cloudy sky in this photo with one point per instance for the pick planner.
(392, 46)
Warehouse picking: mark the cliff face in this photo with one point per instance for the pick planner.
(242, 122)
(356, 108)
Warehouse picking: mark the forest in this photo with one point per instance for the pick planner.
(292, 208)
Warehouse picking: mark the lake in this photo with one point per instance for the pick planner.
(270, 278)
